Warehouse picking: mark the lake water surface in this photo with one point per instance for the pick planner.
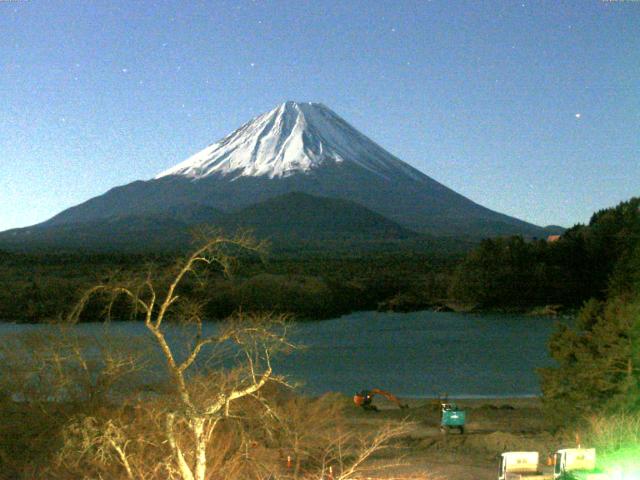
(419, 354)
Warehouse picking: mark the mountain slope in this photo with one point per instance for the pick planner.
(298, 216)
(301, 147)
(288, 220)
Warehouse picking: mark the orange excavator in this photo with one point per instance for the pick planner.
(364, 398)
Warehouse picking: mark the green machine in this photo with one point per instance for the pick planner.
(452, 418)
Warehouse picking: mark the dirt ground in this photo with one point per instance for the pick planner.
(493, 427)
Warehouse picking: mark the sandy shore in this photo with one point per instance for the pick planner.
(493, 426)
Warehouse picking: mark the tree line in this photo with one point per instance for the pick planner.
(507, 273)
(598, 357)
(585, 262)
(40, 288)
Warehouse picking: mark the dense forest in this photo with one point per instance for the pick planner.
(598, 358)
(41, 287)
(508, 273)
(585, 262)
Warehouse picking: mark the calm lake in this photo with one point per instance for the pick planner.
(419, 354)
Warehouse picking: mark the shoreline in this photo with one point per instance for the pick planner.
(494, 425)
(548, 311)
(474, 397)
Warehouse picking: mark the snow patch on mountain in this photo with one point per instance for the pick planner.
(292, 138)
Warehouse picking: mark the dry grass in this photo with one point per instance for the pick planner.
(617, 440)
(615, 431)
(128, 441)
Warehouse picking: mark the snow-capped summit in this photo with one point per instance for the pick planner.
(292, 138)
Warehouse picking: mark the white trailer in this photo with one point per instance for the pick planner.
(579, 463)
(521, 466)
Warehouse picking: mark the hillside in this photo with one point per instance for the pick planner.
(292, 221)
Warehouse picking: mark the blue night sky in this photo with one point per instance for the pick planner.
(529, 108)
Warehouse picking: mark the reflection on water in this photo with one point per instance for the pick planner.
(423, 354)
(420, 354)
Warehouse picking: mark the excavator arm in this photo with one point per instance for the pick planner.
(389, 396)
(364, 397)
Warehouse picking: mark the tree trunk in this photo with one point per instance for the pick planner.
(183, 467)
(200, 444)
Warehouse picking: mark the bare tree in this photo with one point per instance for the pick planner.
(56, 363)
(321, 444)
(218, 413)
(349, 453)
(247, 342)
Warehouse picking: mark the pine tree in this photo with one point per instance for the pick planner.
(598, 362)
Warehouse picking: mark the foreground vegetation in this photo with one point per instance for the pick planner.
(174, 404)
(121, 432)
(616, 437)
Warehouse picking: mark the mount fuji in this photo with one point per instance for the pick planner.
(301, 148)
(293, 138)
